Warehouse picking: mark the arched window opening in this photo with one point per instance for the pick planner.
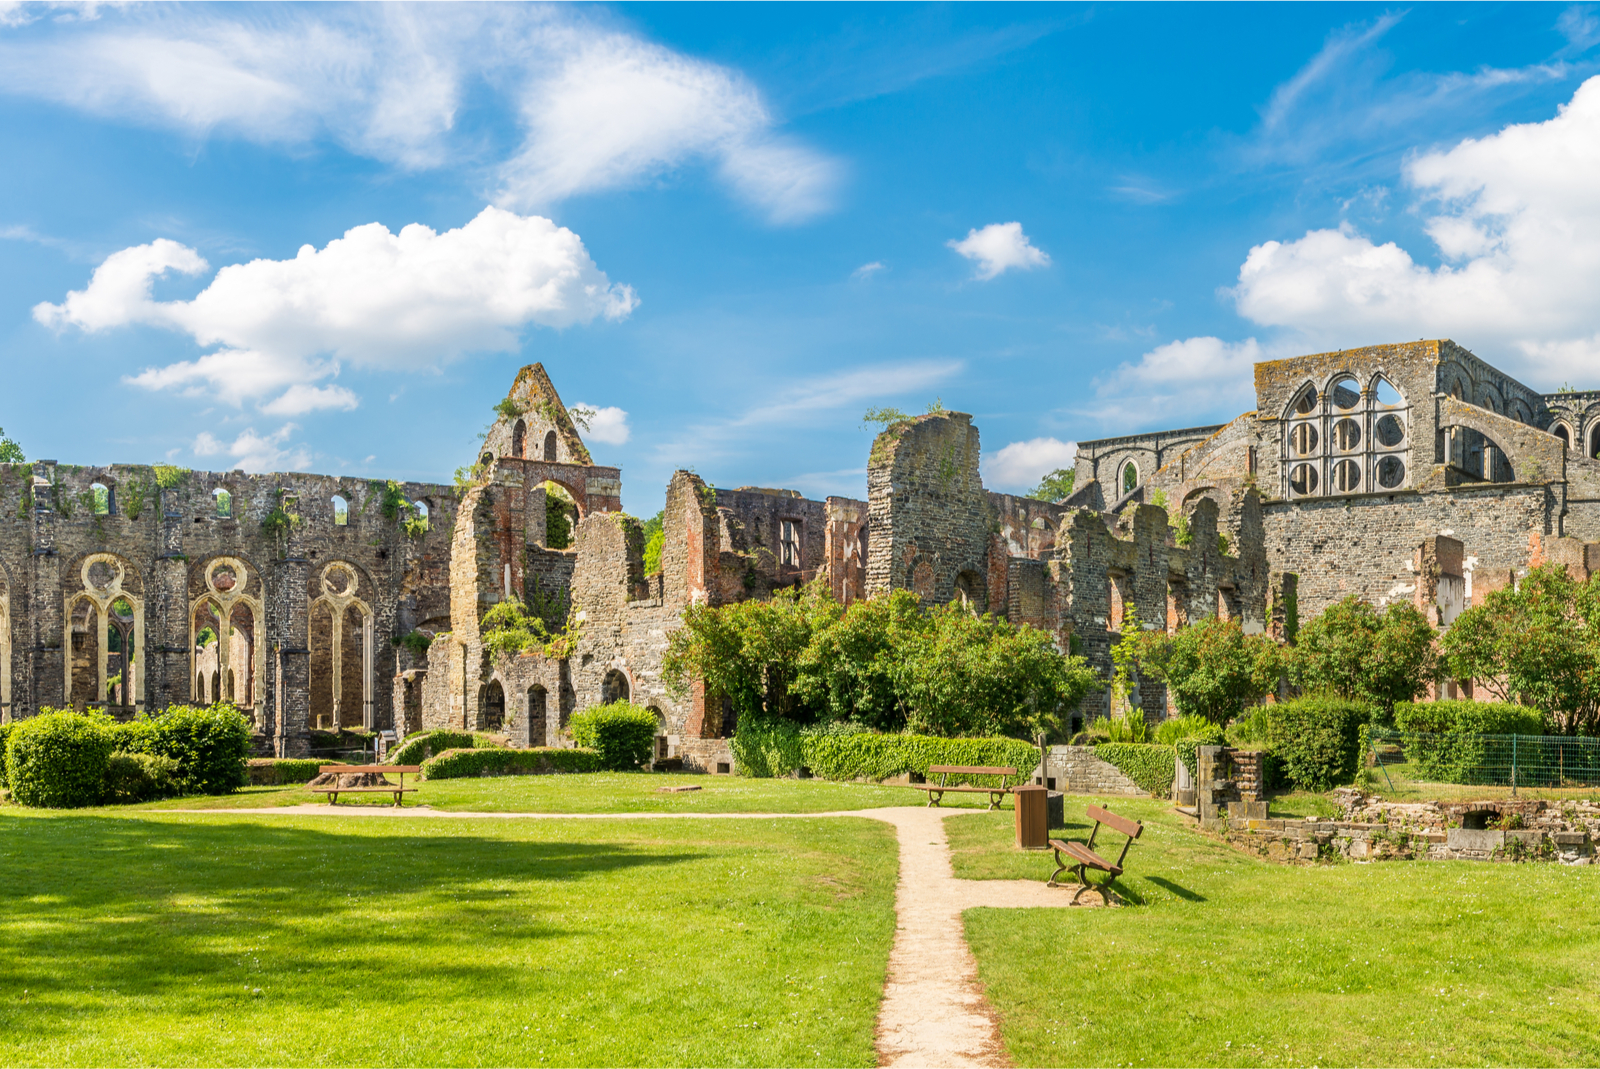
(1306, 403)
(224, 500)
(538, 728)
(614, 688)
(1391, 472)
(120, 653)
(422, 518)
(1130, 477)
(519, 439)
(101, 494)
(1387, 395)
(494, 706)
(1565, 436)
(1594, 443)
(486, 459)
(341, 511)
(341, 650)
(663, 745)
(550, 447)
(103, 626)
(1346, 394)
(560, 516)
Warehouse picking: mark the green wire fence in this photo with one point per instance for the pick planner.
(1489, 760)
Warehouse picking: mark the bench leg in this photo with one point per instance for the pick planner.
(934, 798)
(1061, 866)
(1083, 884)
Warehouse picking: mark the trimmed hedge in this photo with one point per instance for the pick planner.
(1478, 718)
(1149, 764)
(418, 748)
(210, 743)
(5, 733)
(140, 777)
(622, 734)
(58, 760)
(1318, 740)
(778, 749)
(461, 764)
(274, 771)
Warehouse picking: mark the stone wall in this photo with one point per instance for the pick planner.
(1078, 770)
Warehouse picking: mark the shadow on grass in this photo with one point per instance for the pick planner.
(1177, 889)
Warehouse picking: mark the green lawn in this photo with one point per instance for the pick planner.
(1231, 960)
(172, 939)
(600, 792)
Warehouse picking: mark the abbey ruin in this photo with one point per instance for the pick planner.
(1411, 472)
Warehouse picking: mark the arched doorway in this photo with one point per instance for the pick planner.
(519, 439)
(494, 706)
(614, 688)
(538, 710)
(550, 447)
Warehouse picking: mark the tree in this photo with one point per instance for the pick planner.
(1537, 644)
(1055, 486)
(848, 669)
(655, 537)
(10, 451)
(1211, 668)
(1364, 655)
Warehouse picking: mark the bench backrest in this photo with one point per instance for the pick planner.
(973, 770)
(352, 770)
(1131, 828)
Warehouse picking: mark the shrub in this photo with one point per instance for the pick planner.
(5, 733)
(1148, 764)
(1187, 733)
(1318, 740)
(57, 760)
(272, 771)
(767, 749)
(1481, 718)
(418, 748)
(210, 743)
(1211, 668)
(1361, 654)
(622, 733)
(460, 764)
(879, 757)
(140, 777)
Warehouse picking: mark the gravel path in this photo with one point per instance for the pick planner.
(934, 1012)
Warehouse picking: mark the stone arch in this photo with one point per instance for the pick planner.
(663, 745)
(341, 510)
(970, 591)
(1128, 477)
(102, 499)
(492, 704)
(550, 447)
(226, 595)
(1343, 392)
(1303, 402)
(537, 711)
(519, 439)
(616, 687)
(1563, 432)
(222, 499)
(108, 581)
(340, 626)
(1594, 441)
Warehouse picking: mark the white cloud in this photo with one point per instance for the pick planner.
(1020, 465)
(393, 302)
(866, 271)
(254, 452)
(609, 424)
(599, 107)
(1515, 220)
(1191, 382)
(999, 247)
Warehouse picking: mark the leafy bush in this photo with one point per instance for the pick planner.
(1187, 733)
(1363, 655)
(5, 733)
(273, 771)
(878, 757)
(140, 777)
(210, 743)
(461, 764)
(767, 749)
(418, 748)
(1148, 764)
(1481, 718)
(622, 733)
(1318, 740)
(57, 760)
(1132, 727)
(1211, 668)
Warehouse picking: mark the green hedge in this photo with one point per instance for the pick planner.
(5, 733)
(1149, 764)
(1214, 736)
(623, 734)
(58, 760)
(140, 777)
(210, 743)
(1318, 740)
(778, 749)
(1478, 718)
(460, 764)
(418, 748)
(763, 750)
(273, 771)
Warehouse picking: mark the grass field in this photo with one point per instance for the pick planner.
(171, 939)
(1231, 960)
(600, 792)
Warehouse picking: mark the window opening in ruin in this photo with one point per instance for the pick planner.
(1387, 395)
(538, 730)
(550, 447)
(1346, 476)
(614, 688)
(663, 746)
(120, 653)
(227, 662)
(1347, 435)
(494, 706)
(560, 516)
(969, 590)
(789, 542)
(1303, 439)
(1130, 477)
(341, 511)
(1390, 431)
(1391, 472)
(1565, 436)
(341, 650)
(422, 519)
(1306, 403)
(103, 628)
(1594, 443)
(1303, 479)
(224, 501)
(519, 439)
(101, 494)
(1346, 394)
(1115, 607)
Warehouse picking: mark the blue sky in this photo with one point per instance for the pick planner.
(732, 229)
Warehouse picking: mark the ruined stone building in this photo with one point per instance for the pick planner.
(1412, 472)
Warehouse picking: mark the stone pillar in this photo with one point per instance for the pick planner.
(288, 615)
(1441, 587)
(169, 657)
(45, 658)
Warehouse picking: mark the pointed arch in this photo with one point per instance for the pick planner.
(87, 620)
(226, 597)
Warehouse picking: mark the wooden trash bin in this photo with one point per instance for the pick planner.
(1033, 817)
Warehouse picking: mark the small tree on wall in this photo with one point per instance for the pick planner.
(1361, 654)
(1211, 668)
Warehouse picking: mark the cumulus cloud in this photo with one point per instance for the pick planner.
(255, 452)
(1514, 218)
(866, 271)
(1190, 382)
(599, 107)
(609, 424)
(374, 299)
(1020, 465)
(999, 247)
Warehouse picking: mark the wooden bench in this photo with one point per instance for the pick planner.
(1082, 856)
(936, 791)
(335, 790)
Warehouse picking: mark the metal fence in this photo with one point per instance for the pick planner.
(1542, 761)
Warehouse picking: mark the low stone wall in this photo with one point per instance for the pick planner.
(1077, 769)
(706, 755)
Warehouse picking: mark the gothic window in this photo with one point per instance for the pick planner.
(1594, 443)
(1130, 477)
(101, 495)
(224, 501)
(1565, 436)
(341, 511)
(550, 447)
(1347, 440)
(789, 542)
(519, 439)
(1346, 395)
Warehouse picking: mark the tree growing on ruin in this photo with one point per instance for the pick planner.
(10, 451)
(1211, 668)
(1055, 486)
(1361, 654)
(1537, 644)
(654, 538)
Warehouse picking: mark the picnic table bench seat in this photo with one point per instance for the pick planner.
(399, 791)
(1081, 856)
(937, 791)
